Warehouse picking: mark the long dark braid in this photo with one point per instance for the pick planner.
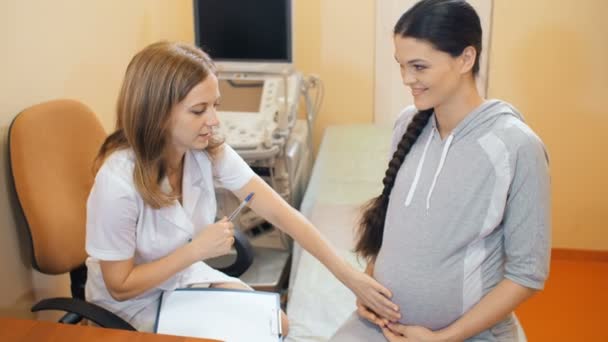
(371, 224)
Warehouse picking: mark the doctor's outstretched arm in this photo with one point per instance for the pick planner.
(272, 207)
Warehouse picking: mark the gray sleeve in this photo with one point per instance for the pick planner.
(527, 221)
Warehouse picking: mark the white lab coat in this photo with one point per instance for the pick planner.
(120, 225)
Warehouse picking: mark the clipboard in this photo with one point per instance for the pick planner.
(224, 314)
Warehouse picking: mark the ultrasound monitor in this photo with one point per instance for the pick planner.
(245, 35)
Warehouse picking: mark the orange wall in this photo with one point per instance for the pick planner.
(79, 49)
(335, 40)
(550, 59)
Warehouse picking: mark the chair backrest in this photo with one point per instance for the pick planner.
(52, 147)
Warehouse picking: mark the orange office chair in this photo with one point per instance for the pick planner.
(52, 147)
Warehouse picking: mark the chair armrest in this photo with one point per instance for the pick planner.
(244, 255)
(92, 312)
(71, 318)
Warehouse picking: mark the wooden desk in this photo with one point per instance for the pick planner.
(12, 329)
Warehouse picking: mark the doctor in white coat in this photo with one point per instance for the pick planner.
(151, 211)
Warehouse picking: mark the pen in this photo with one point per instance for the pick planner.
(240, 207)
(237, 210)
(280, 323)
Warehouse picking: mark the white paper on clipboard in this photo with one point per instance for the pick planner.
(222, 314)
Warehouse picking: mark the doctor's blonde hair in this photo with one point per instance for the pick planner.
(157, 78)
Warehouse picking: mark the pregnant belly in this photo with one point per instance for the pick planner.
(427, 294)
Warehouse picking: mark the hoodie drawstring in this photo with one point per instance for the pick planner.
(444, 154)
(410, 194)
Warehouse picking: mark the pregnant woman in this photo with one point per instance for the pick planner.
(461, 231)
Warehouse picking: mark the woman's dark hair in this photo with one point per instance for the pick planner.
(450, 26)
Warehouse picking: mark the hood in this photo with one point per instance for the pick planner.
(490, 110)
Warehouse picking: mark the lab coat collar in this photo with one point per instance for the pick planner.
(192, 185)
(174, 213)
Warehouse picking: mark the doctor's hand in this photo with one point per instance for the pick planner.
(373, 298)
(214, 240)
(369, 315)
(366, 312)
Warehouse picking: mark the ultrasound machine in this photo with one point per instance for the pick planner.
(251, 44)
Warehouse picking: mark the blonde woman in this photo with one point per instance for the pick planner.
(151, 212)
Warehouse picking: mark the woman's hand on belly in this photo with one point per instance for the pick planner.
(396, 332)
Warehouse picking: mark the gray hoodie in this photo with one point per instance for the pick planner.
(465, 212)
